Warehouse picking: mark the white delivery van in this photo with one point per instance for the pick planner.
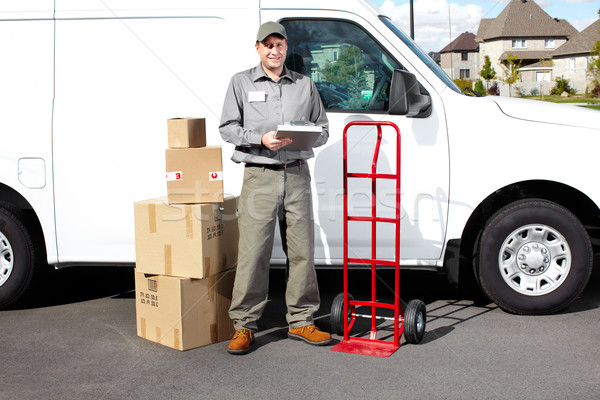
(498, 186)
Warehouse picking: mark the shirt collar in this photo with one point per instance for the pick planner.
(259, 73)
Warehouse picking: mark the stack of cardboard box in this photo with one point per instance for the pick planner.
(186, 246)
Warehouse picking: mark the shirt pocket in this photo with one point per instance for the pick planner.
(257, 110)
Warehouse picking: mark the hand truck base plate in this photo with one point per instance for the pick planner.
(366, 347)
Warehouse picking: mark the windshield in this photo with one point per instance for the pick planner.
(417, 50)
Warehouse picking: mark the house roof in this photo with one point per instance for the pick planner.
(464, 42)
(582, 43)
(537, 66)
(523, 18)
(527, 54)
(435, 56)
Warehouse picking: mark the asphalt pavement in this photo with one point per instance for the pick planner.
(78, 341)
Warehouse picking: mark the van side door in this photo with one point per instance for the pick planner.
(122, 70)
(26, 94)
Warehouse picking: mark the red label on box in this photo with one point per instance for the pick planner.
(174, 176)
(215, 176)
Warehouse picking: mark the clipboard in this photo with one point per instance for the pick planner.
(303, 136)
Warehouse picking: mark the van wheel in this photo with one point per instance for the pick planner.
(17, 256)
(534, 257)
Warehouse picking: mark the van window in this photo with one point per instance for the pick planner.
(350, 69)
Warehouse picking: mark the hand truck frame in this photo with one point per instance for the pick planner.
(343, 309)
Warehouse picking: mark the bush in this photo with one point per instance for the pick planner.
(479, 88)
(596, 90)
(493, 89)
(519, 90)
(562, 85)
(463, 83)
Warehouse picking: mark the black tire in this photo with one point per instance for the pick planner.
(17, 256)
(415, 321)
(534, 257)
(337, 313)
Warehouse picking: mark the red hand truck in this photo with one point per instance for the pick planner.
(343, 309)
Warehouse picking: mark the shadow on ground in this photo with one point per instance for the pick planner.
(424, 285)
(77, 284)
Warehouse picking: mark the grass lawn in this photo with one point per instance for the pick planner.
(594, 107)
(560, 99)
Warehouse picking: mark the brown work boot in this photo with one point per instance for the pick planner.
(240, 344)
(310, 334)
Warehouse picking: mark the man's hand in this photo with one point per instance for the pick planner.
(272, 143)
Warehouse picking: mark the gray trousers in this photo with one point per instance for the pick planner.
(266, 196)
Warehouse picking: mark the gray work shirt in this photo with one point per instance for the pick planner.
(255, 104)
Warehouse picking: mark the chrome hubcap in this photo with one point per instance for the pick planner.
(6, 259)
(534, 260)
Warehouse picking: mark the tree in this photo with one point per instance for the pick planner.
(594, 65)
(348, 71)
(545, 63)
(356, 101)
(487, 72)
(348, 66)
(479, 88)
(511, 71)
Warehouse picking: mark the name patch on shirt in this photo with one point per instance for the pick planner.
(255, 97)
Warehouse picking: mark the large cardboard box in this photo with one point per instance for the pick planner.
(187, 240)
(194, 175)
(186, 132)
(184, 313)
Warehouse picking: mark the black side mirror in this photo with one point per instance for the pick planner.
(408, 97)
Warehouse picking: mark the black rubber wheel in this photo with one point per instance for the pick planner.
(337, 313)
(415, 321)
(534, 257)
(17, 256)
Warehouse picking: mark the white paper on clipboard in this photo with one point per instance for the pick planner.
(303, 136)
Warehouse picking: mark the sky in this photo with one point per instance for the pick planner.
(438, 22)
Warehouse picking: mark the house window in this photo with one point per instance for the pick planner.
(542, 77)
(519, 44)
(464, 56)
(549, 43)
(573, 65)
(465, 74)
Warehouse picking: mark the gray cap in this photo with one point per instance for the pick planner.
(270, 28)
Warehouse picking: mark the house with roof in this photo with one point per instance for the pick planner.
(460, 59)
(571, 59)
(526, 31)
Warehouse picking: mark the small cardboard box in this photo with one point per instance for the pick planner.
(184, 313)
(194, 175)
(186, 240)
(186, 132)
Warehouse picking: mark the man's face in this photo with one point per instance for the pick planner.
(272, 52)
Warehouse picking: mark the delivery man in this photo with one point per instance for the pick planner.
(276, 185)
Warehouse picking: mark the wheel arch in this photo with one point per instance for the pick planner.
(13, 199)
(570, 198)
